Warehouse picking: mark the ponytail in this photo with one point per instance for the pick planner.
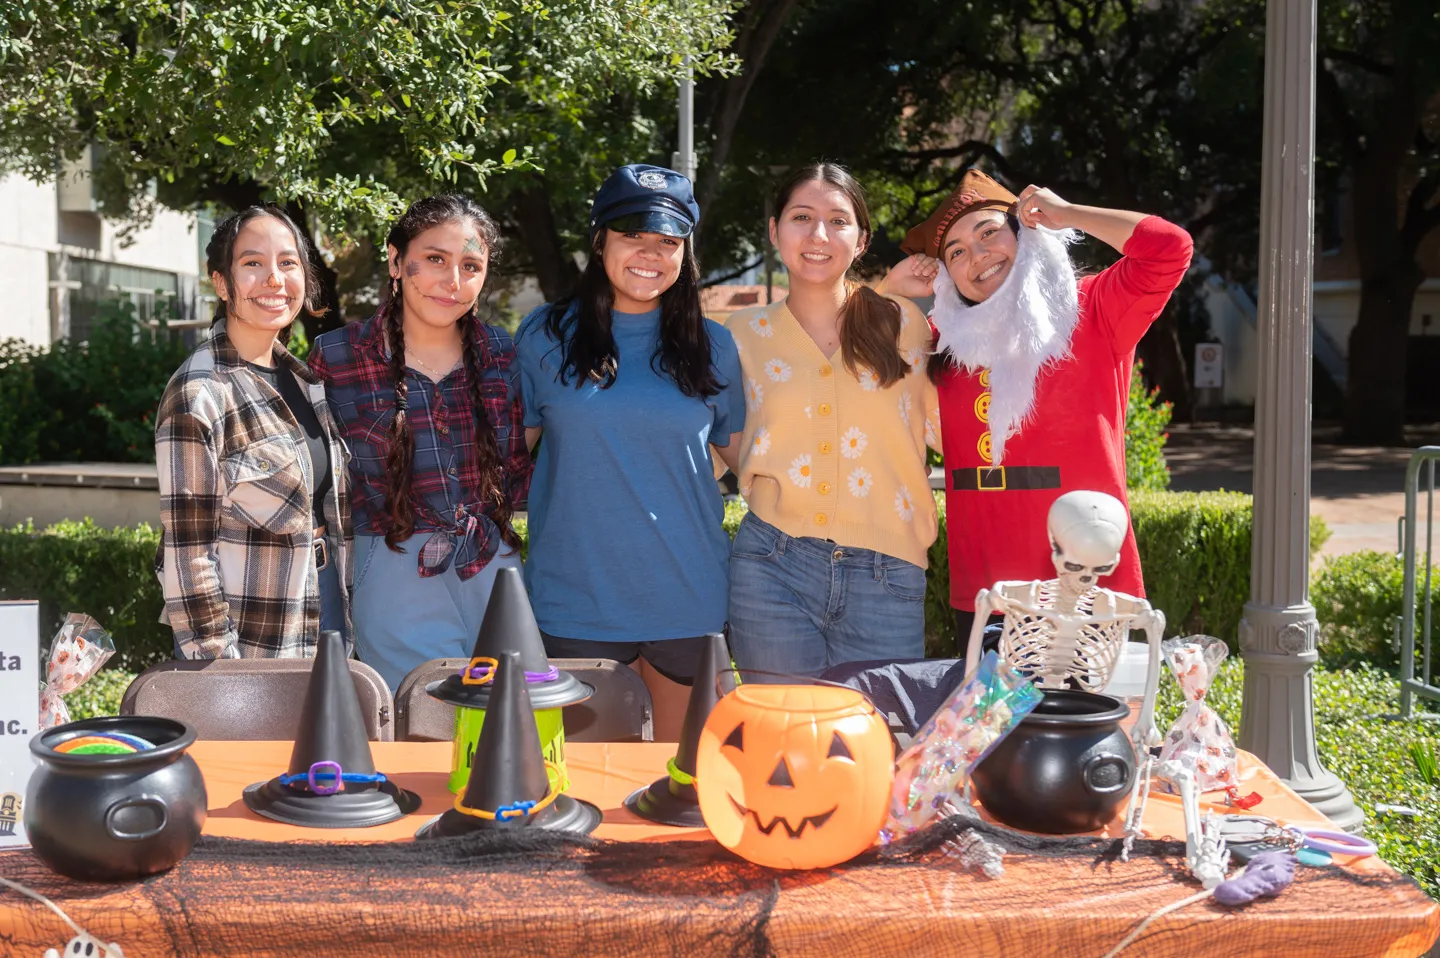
(870, 334)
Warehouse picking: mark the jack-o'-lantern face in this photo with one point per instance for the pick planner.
(794, 776)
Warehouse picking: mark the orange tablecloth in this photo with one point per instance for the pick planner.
(1071, 906)
(602, 773)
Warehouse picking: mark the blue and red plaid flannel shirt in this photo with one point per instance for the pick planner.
(354, 363)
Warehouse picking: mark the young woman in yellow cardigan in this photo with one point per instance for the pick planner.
(829, 564)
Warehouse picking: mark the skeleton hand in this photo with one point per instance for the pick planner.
(1144, 737)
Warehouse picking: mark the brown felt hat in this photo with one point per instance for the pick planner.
(975, 192)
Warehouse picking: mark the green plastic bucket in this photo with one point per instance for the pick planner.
(468, 723)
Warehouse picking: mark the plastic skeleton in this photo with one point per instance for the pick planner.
(1068, 629)
(1205, 853)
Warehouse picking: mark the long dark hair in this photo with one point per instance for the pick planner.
(220, 253)
(423, 215)
(869, 323)
(587, 342)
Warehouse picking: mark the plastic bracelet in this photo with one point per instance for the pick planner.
(1338, 843)
(484, 673)
(514, 809)
(330, 770)
(677, 775)
(487, 673)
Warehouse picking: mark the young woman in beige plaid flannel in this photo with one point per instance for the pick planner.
(254, 494)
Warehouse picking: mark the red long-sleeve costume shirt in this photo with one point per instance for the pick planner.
(1077, 424)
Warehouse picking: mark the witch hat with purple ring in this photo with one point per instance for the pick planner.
(509, 626)
(331, 781)
(510, 784)
(672, 800)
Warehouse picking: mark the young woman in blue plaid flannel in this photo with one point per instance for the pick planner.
(254, 495)
(428, 398)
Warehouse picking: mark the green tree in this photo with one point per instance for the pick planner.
(1378, 86)
(342, 109)
(1152, 106)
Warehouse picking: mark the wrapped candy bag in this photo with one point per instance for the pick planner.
(970, 723)
(77, 652)
(1199, 738)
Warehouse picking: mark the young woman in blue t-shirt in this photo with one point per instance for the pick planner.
(630, 385)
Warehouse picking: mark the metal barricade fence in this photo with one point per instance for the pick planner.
(1418, 582)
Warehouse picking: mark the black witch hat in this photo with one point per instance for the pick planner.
(509, 626)
(672, 800)
(332, 781)
(510, 786)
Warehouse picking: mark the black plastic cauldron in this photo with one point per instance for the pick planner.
(115, 817)
(1066, 768)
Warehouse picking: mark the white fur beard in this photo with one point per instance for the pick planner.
(1024, 326)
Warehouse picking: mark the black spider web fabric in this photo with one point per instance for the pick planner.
(546, 894)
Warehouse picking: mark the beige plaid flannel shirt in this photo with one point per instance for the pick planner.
(236, 562)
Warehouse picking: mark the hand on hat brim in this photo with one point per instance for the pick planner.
(1037, 206)
(651, 221)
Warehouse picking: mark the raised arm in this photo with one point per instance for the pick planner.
(1128, 296)
(1040, 207)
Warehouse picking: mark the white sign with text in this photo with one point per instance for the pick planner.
(19, 711)
(1209, 365)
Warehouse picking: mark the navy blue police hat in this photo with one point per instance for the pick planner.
(645, 199)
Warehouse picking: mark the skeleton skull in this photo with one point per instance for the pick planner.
(1087, 530)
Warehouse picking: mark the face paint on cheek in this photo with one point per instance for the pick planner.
(412, 269)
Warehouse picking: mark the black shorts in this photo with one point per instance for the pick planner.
(676, 659)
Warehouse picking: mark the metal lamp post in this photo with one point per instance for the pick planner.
(1278, 631)
(684, 159)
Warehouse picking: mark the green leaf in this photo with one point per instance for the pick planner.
(405, 99)
(509, 156)
(222, 138)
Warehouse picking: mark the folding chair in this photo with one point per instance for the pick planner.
(249, 699)
(619, 711)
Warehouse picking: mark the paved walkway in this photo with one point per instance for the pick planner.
(1358, 491)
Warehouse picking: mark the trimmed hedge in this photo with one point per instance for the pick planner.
(1145, 420)
(1358, 599)
(106, 573)
(91, 401)
(1195, 548)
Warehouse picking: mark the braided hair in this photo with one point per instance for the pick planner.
(399, 506)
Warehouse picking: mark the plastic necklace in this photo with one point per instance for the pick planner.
(330, 770)
(516, 809)
(477, 673)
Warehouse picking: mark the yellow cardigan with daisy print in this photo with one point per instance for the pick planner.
(828, 453)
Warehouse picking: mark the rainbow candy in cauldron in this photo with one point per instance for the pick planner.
(104, 743)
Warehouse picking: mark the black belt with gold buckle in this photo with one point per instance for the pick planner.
(1003, 478)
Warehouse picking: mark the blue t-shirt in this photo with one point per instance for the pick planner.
(626, 541)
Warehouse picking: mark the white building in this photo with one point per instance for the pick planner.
(60, 259)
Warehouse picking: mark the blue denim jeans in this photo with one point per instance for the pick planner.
(402, 620)
(800, 606)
